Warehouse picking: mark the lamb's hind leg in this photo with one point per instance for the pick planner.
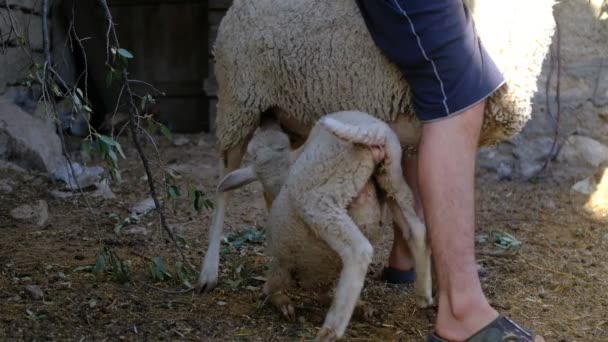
(207, 281)
(334, 226)
(401, 202)
(277, 281)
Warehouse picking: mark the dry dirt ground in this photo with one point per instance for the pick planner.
(556, 284)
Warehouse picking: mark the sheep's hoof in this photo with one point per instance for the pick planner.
(365, 311)
(283, 303)
(206, 282)
(424, 302)
(326, 334)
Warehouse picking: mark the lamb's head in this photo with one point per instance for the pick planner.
(269, 149)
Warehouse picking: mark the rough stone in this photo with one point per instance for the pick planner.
(28, 141)
(15, 64)
(585, 186)
(27, 25)
(4, 165)
(136, 230)
(529, 168)
(103, 190)
(143, 207)
(180, 141)
(86, 176)
(34, 291)
(538, 149)
(35, 214)
(580, 150)
(6, 186)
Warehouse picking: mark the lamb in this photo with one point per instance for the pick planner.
(299, 59)
(327, 207)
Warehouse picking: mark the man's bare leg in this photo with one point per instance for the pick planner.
(446, 169)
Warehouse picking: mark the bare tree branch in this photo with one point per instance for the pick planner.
(112, 36)
(558, 101)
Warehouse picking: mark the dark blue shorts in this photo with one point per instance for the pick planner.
(435, 45)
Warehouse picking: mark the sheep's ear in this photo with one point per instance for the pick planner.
(236, 179)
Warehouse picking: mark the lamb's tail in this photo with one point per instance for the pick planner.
(374, 134)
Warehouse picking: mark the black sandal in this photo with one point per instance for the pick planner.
(502, 329)
(395, 276)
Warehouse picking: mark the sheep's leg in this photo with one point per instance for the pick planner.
(207, 280)
(337, 229)
(278, 279)
(414, 232)
(401, 202)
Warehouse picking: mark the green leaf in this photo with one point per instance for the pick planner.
(56, 90)
(125, 53)
(116, 175)
(80, 93)
(107, 140)
(113, 155)
(100, 264)
(86, 268)
(173, 191)
(165, 131)
(183, 274)
(119, 149)
(86, 147)
(87, 108)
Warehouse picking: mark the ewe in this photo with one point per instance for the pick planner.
(300, 59)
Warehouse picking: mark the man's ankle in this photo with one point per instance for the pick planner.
(461, 319)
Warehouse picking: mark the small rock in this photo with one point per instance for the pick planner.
(37, 214)
(5, 186)
(136, 230)
(103, 190)
(549, 204)
(529, 168)
(180, 141)
(585, 186)
(537, 149)
(34, 291)
(86, 176)
(30, 142)
(61, 194)
(605, 237)
(143, 207)
(504, 170)
(581, 150)
(4, 165)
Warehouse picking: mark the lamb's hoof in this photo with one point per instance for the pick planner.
(283, 303)
(326, 334)
(365, 311)
(424, 302)
(206, 282)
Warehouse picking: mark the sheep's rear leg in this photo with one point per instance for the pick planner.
(401, 203)
(414, 232)
(277, 281)
(334, 226)
(207, 281)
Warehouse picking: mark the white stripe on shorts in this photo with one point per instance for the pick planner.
(445, 98)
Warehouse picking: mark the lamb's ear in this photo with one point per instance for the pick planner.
(236, 179)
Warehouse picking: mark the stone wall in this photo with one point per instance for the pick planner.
(25, 17)
(583, 47)
(21, 44)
